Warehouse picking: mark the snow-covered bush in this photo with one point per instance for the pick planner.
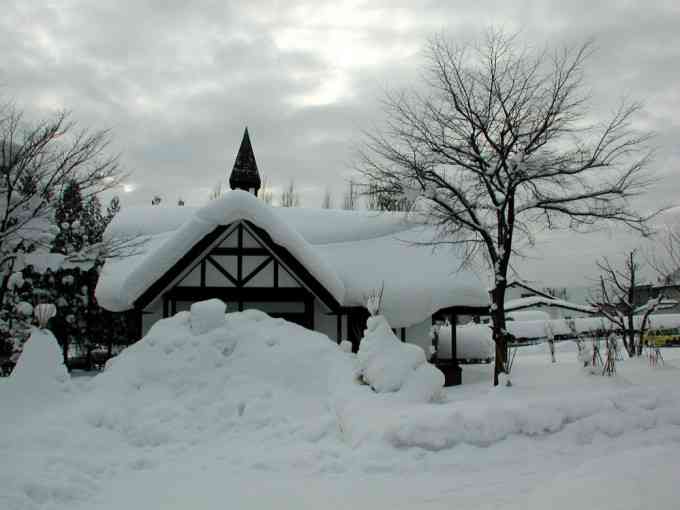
(389, 365)
(374, 301)
(44, 312)
(40, 368)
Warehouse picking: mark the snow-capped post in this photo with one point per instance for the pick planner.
(551, 340)
(434, 337)
(43, 313)
(488, 166)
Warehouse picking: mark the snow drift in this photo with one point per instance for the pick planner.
(257, 400)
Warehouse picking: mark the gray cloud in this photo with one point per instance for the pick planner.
(177, 81)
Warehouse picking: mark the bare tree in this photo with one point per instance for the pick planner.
(327, 201)
(499, 146)
(618, 299)
(350, 199)
(216, 192)
(266, 194)
(666, 258)
(379, 200)
(290, 196)
(36, 162)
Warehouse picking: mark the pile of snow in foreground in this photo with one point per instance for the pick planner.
(223, 411)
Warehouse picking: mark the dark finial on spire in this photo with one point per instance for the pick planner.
(244, 175)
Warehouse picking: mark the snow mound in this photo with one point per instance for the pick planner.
(423, 385)
(579, 418)
(207, 315)
(38, 379)
(183, 384)
(40, 369)
(388, 365)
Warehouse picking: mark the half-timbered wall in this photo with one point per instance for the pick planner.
(243, 272)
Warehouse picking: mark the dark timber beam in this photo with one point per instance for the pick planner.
(256, 271)
(234, 294)
(223, 271)
(240, 251)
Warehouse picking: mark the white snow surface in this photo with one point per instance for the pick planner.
(207, 315)
(261, 413)
(350, 252)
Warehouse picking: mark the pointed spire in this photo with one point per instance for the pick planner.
(244, 175)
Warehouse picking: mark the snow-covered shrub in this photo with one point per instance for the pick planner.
(387, 364)
(40, 368)
(44, 312)
(207, 315)
(24, 308)
(15, 281)
(374, 301)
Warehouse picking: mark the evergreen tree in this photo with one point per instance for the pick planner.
(93, 221)
(112, 209)
(68, 215)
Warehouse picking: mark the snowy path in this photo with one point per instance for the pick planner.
(258, 427)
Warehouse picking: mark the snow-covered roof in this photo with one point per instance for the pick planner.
(657, 304)
(349, 252)
(540, 301)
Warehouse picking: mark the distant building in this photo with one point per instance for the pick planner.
(524, 298)
(669, 289)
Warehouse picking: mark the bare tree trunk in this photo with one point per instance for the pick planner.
(500, 336)
(629, 336)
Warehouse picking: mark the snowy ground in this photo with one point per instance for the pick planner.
(261, 414)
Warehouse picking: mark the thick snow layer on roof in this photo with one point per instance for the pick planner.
(528, 315)
(123, 281)
(417, 280)
(516, 304)
(312, 224)
(350, 252)
(112, 287)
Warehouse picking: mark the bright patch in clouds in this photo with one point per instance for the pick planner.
(345, 42)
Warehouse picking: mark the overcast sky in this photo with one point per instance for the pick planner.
(177, 81)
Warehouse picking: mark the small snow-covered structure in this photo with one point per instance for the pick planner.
(533, 300)
(312, 267)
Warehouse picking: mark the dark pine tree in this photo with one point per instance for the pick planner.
(68, 216)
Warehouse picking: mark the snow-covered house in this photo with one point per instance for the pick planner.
(313, 267)
(522, 299)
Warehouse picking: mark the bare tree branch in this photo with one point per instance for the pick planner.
(499, 146)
